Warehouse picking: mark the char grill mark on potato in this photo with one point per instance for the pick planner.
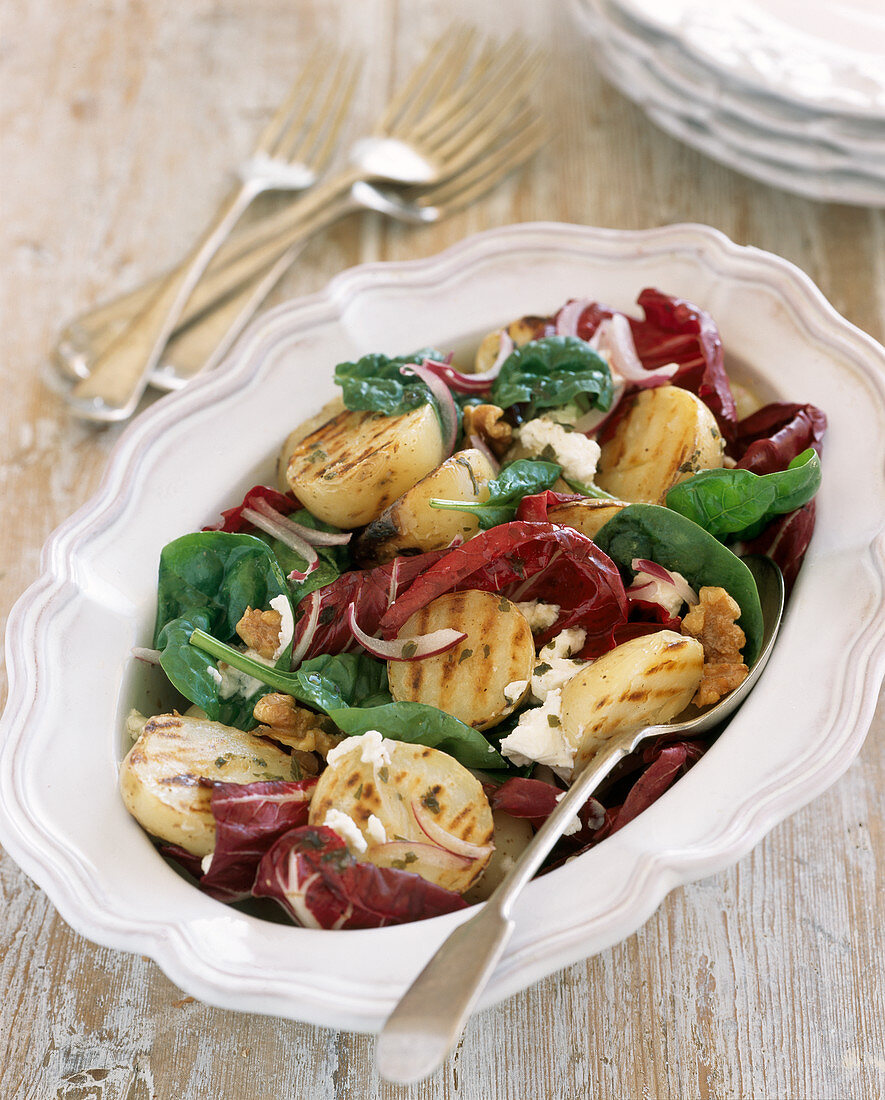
(667, 436)
(586, 516)
(467, 681)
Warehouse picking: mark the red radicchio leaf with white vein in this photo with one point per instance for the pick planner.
(535, 800)
(310, 872)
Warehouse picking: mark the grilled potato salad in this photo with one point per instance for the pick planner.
(431, 815)
(351, 468)
(166, 778)
(668, 435)
(639, 683)
(469, 681)
(410, 525)
(586, 516)
(305, 428)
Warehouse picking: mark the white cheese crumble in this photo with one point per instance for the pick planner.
(135, 723)
(575, 824)
(234, 682)
(667, 595)
(541, 616)
(216, 675)
(566, 643)
(375, 829)
(206, 863)
(287, 625)
(539, 736)
(575, 453)
(552, 674)
(372, 748)
(515, 690)
(347, 829)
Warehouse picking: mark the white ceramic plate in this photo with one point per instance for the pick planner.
(822, 54)
(795, 162)
(68, 641)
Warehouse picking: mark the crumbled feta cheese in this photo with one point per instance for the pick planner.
(658, 591)
(347, 829)
(372, 748)
(206, 863)
(375, 829)
(515, 690)
(287, 625)
(575, 453)
(216, 675)
(564, 644)
(539, 736)
(541, 616)
(575, 825)
(551, 674)
(135, 723)
(234, 682)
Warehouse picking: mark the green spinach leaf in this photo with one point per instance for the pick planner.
(515, 481)
(553, 371)
(375, 383)
(727, 502)
(678, 543)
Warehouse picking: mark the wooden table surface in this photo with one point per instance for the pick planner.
(119, 121)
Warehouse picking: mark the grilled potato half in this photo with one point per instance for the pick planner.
(469, 680)
(668, 435)
(163, 778)
(352, 467)
(304, 429)
(435, 814)
(410, 524)
(639, 683)
(586, 516)
(521, 331)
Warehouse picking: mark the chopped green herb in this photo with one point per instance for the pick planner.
(553, 721)
(542, 668)
(410, 649)
(384, 774)
(221, 761)
(465, 654)
(429, 800)
(504, 605)
(486, 650)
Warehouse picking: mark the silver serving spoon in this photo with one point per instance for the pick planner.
(430, 1017)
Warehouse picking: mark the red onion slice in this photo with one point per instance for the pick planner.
(445, 402)
(615, 337)
(404, 649)
(309, 534)
(568, 317)
(310, 618)
(429, 854)
(438, 835)
(479, 444)
(394, 582)
(683, 588)
(294, 542)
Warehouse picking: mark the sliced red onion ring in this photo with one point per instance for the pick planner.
(309, 534)
(427, 853)
(505, 348)
(310, 619)
(683, 588)
(404, 649)
(394, 581)
(445, 402)
(479, 444)
(615, 337)
(568, 317)
(472, 383)
(294, 542)
(438, 835)
(149, 656)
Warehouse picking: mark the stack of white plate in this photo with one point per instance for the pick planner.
(790, 92)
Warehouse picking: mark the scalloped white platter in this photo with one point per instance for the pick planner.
(68, 643)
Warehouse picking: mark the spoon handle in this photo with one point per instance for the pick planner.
(426, 1023)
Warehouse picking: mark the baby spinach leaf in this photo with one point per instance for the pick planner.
(678, 543)
(521, 478)
(551, 372)
(725, 502)
(420, 724)
(353, 693)
(375, 383)
(206, 582)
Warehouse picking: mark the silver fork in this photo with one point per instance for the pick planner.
(431, 130)
(293, 150)
(204, 343)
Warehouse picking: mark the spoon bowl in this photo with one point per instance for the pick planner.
(431, 1015)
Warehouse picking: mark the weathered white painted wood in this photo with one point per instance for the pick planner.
(117, 124)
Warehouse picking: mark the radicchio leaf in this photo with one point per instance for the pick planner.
(534, 508)
(662, 765)
(535, 800)
(310, 872)
(768, 440)
(528, 561)
(232, 519)
(785, 540)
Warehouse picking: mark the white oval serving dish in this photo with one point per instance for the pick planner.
(69, 636)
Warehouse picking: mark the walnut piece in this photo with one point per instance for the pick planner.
(713, 621)
(291, 725)
(260, 630)
(486, 422)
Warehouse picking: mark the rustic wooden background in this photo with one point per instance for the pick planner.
(119, 121)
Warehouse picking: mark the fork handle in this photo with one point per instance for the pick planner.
(119, 376)
(431, 1015)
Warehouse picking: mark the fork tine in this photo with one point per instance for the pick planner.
(436, 59)
(440, 81)
(302, 90)
(489, 170)
(300, 140)
(337, 117)
(514, 123)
